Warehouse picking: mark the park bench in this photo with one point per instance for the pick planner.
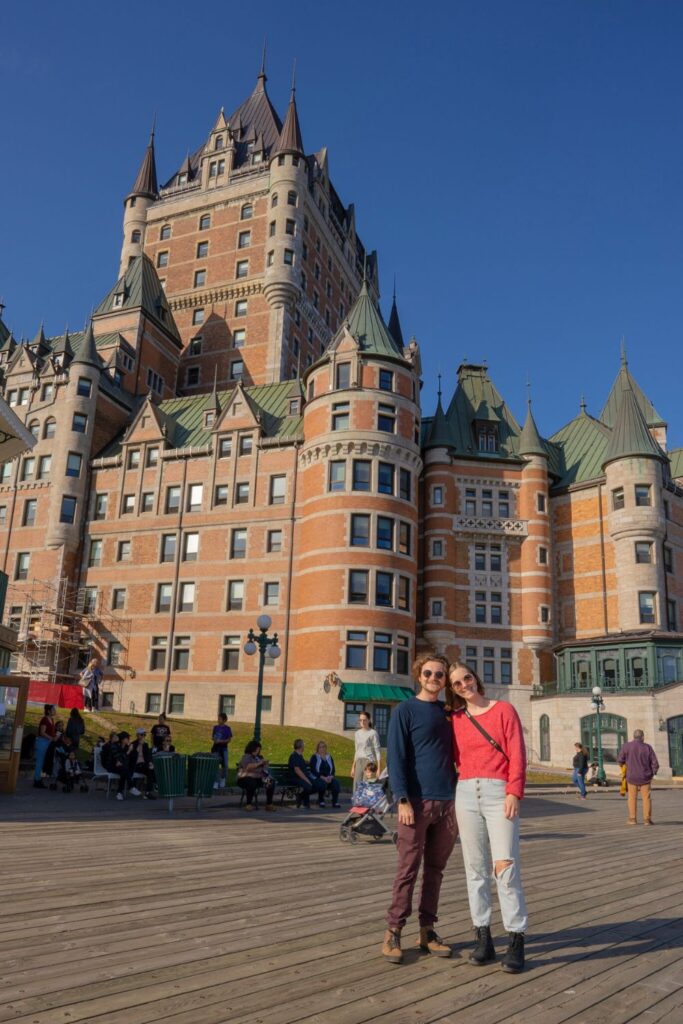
(284, 787)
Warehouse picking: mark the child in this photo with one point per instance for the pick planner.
(72, 773)
(369, 791)
(592, 779)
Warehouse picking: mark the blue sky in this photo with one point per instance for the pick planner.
(518, 166)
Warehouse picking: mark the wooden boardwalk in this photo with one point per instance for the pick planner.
(115, 913)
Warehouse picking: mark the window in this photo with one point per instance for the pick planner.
(79, 423)
(618, 498)
(437, 549)
(545, 613)
(67, 512)
(123, 551)
(643, 552)
(202, 250)
(247, 212)
(30, 508)
(384, 585)
(191, 547)
(181, 653)
(23, 396)
(241, 493)
(194, 497)
(405, 485)
(242, 268)
(186, 592)
(381, 653)
(168, 547)
(540, 503)
(231, 655)
(147, 502)
(404, 593)
(278, 490)
(29, 464)
(204, 222)
(220, 496)
(165, 232)
(437, 608)
(360, 531)
(95, 553)
(386, 418)
(238, 544)
(236, 369)
(235, 595)
(404, 538)
(646, 604)
(84, 387)
(162, 258)
(246, 444)
(44, 466)
(437, 495)
(244, 239)
(385, 478)
(152, 703)
(172, 499)
(340, 415)
(118, 599)
(199, 278)
(642, 494)
(226, 704)
(668, 559)
(115, 653)
(337, 478)
(73, 464)
(164, 597)
(385, 533)
(470, 502)
(22, 565)
(224, 447)
(176, 703)
(356, 647)
(487, 503)
(542, 556)
(241, 307)
(361, 474)
(386, 380)
(671, 616)
(288, 257)
(134, 458)
(6, 474)
(274, 542)
(271, 593)
(216, 168)
(358, 586)
(291, 199)
(197, 317)
(34, 427)
(239, 336)
(503, 504)
(47, 393)
(290, 227)
(128, 505)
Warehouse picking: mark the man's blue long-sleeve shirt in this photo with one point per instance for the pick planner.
(420, 751)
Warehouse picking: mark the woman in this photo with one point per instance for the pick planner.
(90, 681)
(75, 728)
(252, 774)
(47, 734)
(322, 767)
(491, 762)
(580, 767)
(367, 748)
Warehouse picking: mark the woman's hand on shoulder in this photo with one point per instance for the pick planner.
(511, 806)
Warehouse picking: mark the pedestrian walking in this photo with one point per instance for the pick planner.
(422, 780)
(580, 767)
(367, 747)
(641, 767)
(490, 758)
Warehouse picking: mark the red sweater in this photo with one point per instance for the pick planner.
(475, 758)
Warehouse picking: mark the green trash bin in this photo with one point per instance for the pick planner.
(201, 774)
(171, 772)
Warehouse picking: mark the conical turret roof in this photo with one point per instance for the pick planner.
(290, 140)
(530, 442)
(87, 350)
(439, 435)
(146, 182)
(395, 324)
(630, 433)
(625, 378)
(63, 346)
(367, 327)
(7, 342)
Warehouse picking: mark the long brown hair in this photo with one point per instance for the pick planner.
(453, 700)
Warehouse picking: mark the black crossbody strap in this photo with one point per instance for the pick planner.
(482, 730)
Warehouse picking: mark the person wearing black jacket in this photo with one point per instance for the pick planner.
(322, 768)
(580, 766)
(140, 763)
(115, 755)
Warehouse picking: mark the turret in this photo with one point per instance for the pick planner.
(135, 206)
(535, 555)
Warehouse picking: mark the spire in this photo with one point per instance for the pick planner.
(214, 405)
(63, 345)
(530, 442)
(394, 322)
(582, 406)
(146, 181)
(630, 433)
(262, 77)
(290, 140)
(87, 352)
(39, 340)
(439, 435)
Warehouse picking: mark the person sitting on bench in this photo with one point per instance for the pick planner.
(299, 774)
(252, 774)
(321, 767)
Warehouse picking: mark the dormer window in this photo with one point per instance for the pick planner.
(135, 236)
(182, 178)
(488, 438)
(219, 143)
(118, 300)
(257, 158)
(294, 406)
(209, 419)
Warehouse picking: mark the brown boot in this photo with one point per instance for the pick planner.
(391, 947)
(431, 942)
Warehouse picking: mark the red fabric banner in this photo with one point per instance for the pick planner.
(63, 695)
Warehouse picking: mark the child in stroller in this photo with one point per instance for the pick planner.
(70, 772)
(370, 803)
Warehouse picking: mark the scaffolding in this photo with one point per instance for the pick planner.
(60, 628)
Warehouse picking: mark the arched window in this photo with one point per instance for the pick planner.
(34, 427)
(544, 733)
(247, 211)
(612, 735)
(50, 427)
(135, 236)
(219, 142)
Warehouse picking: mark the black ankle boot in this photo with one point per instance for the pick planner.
(513, 961)
(483, 952)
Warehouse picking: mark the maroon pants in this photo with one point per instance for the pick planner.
(428, 842)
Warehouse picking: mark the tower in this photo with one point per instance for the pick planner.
(143, 193)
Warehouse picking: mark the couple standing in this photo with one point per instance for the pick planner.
(484, 739)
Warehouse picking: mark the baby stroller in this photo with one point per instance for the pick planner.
(368, 821)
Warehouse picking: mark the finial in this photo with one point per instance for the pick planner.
(439, 386)
(294, 78)
(394, 288)
(154, 128)
(528, 391)
(365, 267)
(298, 364)
(624, 360)
(215, 376)
(262, 72)
(583, 403)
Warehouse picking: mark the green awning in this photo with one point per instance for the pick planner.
(362, 693)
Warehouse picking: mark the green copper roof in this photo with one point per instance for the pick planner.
(438, 434)
(630, 433)
(476, 396)
(624, 378)
(368, 692)
(367, 327)
(530, 442)
(141, 288)
(580, 447)
(676, 462)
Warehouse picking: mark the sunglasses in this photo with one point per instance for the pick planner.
(427, 673)
(465, 679)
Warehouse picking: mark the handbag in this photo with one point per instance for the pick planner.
(482, 730)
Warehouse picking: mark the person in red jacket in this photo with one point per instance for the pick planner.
(491, 762)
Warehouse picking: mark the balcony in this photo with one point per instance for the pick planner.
(482, 525)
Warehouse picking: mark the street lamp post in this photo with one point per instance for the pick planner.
(266, 646)
(598, 704)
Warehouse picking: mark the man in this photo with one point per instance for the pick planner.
(140, 763)
(298, 770)
(422, 779)
(220, 737)
(115, 760)
(160, 732)
(641, 767)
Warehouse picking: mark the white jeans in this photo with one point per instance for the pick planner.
(486, 835)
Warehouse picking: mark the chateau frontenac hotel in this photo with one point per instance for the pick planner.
(238, 431)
